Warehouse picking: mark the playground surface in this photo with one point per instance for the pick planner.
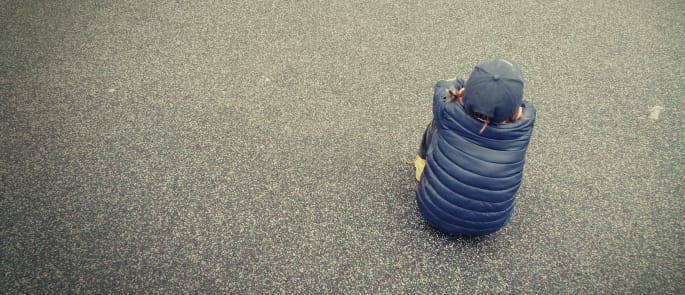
(260, 146)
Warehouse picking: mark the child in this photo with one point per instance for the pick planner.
(473, 151)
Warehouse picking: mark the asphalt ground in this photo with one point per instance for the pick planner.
(260, 146)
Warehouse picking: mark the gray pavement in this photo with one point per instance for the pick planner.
(259, 146)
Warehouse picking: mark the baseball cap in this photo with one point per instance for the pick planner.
(494, 89)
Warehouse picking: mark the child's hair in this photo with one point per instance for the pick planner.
(453, 95)
(484, 118)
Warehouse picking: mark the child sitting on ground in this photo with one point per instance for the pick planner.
(472, 154)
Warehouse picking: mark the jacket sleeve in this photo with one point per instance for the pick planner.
(440, 95)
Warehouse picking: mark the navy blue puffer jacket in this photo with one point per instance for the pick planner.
(471, 179)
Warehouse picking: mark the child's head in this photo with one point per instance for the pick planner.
(494, 91)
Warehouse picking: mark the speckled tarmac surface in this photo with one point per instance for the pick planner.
(260, 146)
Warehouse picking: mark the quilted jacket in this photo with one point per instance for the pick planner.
(471, 178)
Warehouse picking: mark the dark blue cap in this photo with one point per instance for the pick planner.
(494, 89)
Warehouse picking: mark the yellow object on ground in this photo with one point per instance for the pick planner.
(419, 164)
